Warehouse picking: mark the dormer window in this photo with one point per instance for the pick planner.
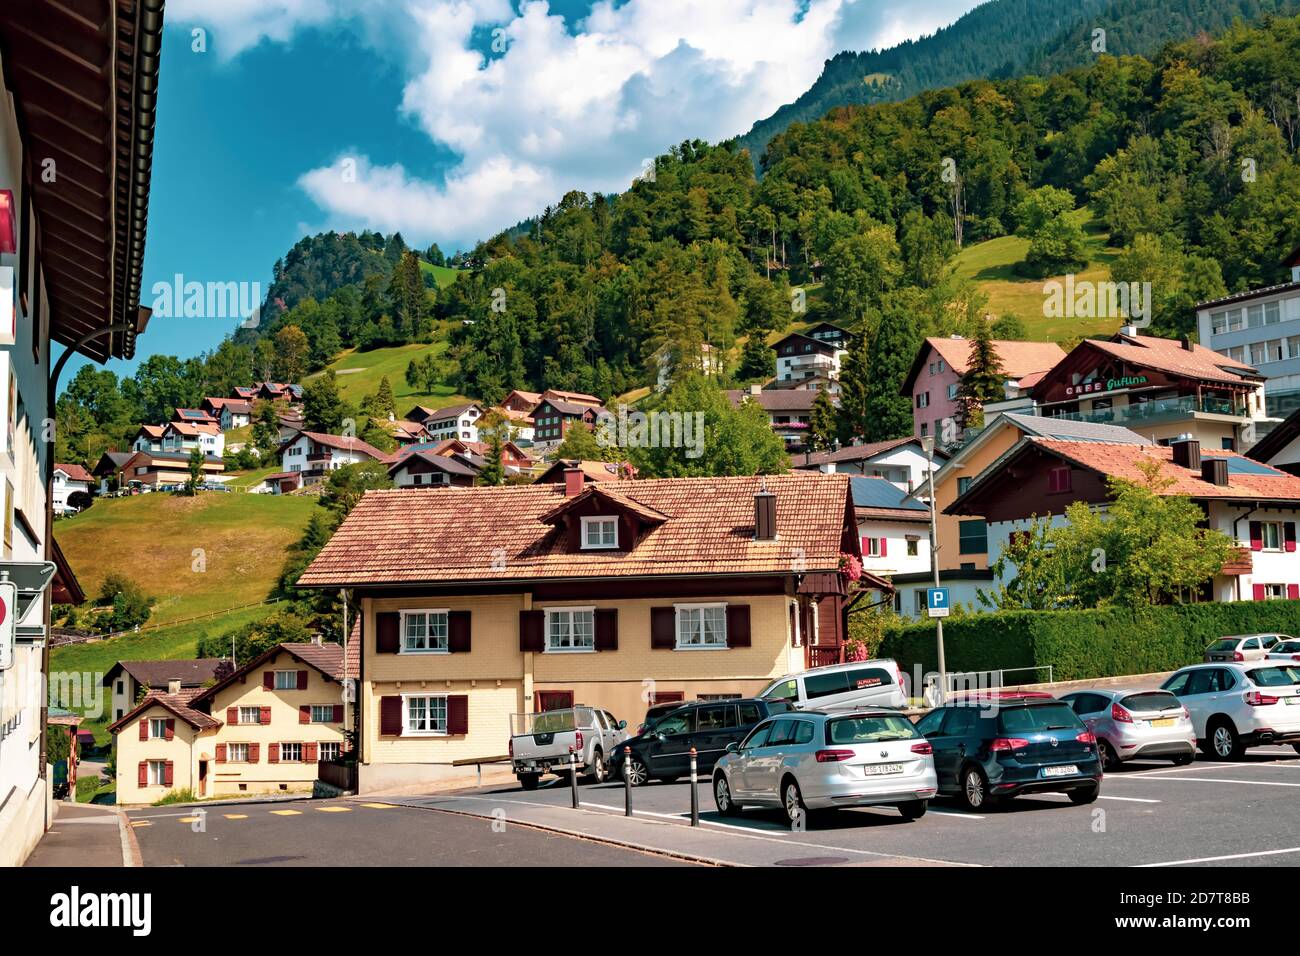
(599, 532)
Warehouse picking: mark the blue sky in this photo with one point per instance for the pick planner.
(449, 119)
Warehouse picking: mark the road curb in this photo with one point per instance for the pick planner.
(131, 856)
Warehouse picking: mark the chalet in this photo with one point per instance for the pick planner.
(900, 460)
(148, 438)
(229, 412)
(521, 402)
(127, 680)
(422, 468)
(245, 393)
(183, 436)
(150, 470)
(553, 417)
(788, 410)
(576, 398)
(1254, 504)
(521, 597)
(453, 421)
(316, 454)
(404, 431)
(936, 373)
(109, 470)
(290, 422)
(195, 416)
(257, 730)
(814, 354)
(69, 480)
(278, 392)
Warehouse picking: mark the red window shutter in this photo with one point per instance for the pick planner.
(265, 715)
(171, 728)
(309, 753)
(663, 628)
(864, 543)
(1260, 593)
(458, 632)
(532, 631)
(232, 716)
(884, 547)
(1257, 536)
(738, 625)
(390, 716)
(1293, 592)
(457, 714)
(1289, 528)
(268, 680)
(302, 680)
(338, 713)
(607, 629)
(143, 778)
(388, 632)
(304, 714)
(273, 753)
(254, 753)
(221, 753)
(144, 728)
(167, 774)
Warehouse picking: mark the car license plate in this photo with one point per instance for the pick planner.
(1064, 771)
(1163, 722)
(874, 769)
(1293, 700)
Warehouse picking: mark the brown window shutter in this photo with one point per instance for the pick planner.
(144, 728)
(254, 753)
(388, 632)
(390, 716)
(338, 713)
(232, 716)
(458, 632)
(309, 753)
(265, 715)
(268, 680)
(738, 625)
(607, 629)
(221, 753)
(167, 774)
(304, 714)
(302, 680)
(272, 753)
(457, 714)
(663, 628)
(143, 778)
(171, 728)
(532, 631)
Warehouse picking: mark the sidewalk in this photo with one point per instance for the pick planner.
(82, 835)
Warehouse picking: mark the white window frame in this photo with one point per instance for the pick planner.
(446, 631)
(329, 708)
(1274, 592)
(677, 626)
(407, 731)
(873, 547)
(553, 612)
(157, 773)
(257, 715)
(230, 753)
(293, 685)
(602, 521)
(329, 750)
(158, 724)
(1281, 535)
(283, 758)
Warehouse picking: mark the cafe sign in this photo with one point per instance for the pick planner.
(1106, 385)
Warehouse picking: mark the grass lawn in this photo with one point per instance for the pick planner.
(359, 374)
(247, 479)
(442, 275)
(152, 539)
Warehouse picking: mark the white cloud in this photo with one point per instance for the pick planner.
(562, 109)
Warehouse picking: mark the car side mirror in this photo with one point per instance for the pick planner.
(662, 738)
(733, 747)
(622, 725)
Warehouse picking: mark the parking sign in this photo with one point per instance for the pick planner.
(936, 602)
(8, 622)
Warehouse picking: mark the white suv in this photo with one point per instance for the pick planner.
(1235, 706)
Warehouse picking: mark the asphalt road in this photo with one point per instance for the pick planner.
(358, 833)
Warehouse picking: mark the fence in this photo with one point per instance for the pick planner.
(91, 638)
(341, 775)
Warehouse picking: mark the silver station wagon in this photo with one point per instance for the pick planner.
(813, 760)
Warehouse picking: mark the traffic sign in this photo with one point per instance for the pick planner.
(936, 602)
(8, 622)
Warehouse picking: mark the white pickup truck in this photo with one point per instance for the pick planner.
(541, 743)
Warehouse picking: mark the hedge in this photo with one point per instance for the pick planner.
(1105, 642)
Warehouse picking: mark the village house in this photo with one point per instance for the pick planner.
(900, 460)
(290, 422)
(894, 534)
(535, 596)
(126, 679)
(148, 438)
(185, 437)
(150, 470)
(789, 410)
(1257, 506)
(453, 421)
(553, 417)
(517, 407)
(666, 360)
(229, 413)
(259, 730)
(278, 392)
(194, 416)
(812, 357)
(316, 454)
(69, 480)
(109, 470)
(404, 431)
(244, 392)
(423, 467)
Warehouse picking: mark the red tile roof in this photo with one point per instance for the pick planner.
(74, 472)
(342, 443)
(461, 534)
(1169, 355)
(1018, 358)
(176, 704)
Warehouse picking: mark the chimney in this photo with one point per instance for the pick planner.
(764, 515)
(1187, 452)
(573, 481)
(1215, 471)
(316, 639)
(174, 685)
(756, 390)
(1129, 330)
(1186, 341)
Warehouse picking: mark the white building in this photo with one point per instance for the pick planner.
(813, 354)
(901, 461)
(315, 454)
(68, 480)
(454, 421)
(182, 437)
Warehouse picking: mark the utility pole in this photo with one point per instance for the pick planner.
(928, 444)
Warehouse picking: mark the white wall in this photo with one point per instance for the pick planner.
(896, 560)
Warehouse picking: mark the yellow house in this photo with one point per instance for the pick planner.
(477, 603)
(260, 730)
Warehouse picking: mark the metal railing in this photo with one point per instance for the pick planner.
(972, 680)
(1160, 408)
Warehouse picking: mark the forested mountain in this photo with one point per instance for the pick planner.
(1000, 39)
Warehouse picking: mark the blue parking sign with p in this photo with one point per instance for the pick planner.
(936, 602)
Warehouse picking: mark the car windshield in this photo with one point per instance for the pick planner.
(1038, 718)
(1275, 676)
(1155, 700)
(1287, 647)
(1227, 644)
(869, 730)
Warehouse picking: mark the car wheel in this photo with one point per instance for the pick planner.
(974, 790)
(529, 780)
(722, 796)
(792, 801)
(1109, 758)
(1225, 742)
(637, 771)
(1182, 760)
(913, 809)
(1087, 795)
(598, 769)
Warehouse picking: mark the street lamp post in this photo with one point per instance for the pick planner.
(928, 444)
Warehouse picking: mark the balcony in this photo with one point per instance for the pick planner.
(319, 457)
(1163, 408)
(822, 655)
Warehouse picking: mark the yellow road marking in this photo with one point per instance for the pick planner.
(379, 806)
(287, 813)
(236, 816)
(334, 809)
(141, 823)
(188, 819)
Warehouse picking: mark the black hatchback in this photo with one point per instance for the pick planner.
(663, 750)
(991, 748)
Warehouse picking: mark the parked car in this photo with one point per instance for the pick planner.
(813, 760)
(655, 711)
(850, 686)
(1284, 650)
(662, 752)
(1242, 647)
(1240, 705)
(1136, 723)
(990, 749)
(541, 742)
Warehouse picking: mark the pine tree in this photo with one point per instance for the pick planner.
(855, 374)
(323, 410)
(894, 346)
(823, 427)
(384, 404)
(495, 428)
(982, 382)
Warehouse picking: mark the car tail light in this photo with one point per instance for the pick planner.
(1087, 737)
(511, 748)
(1008, 743)
(1295, 657)
(577, 740)
(1238, 656)
(1256, 699)
(1186, 713)
(833, 756)
(1118, 713)
(922, 748)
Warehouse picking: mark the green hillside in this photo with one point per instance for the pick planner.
(359, 374)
